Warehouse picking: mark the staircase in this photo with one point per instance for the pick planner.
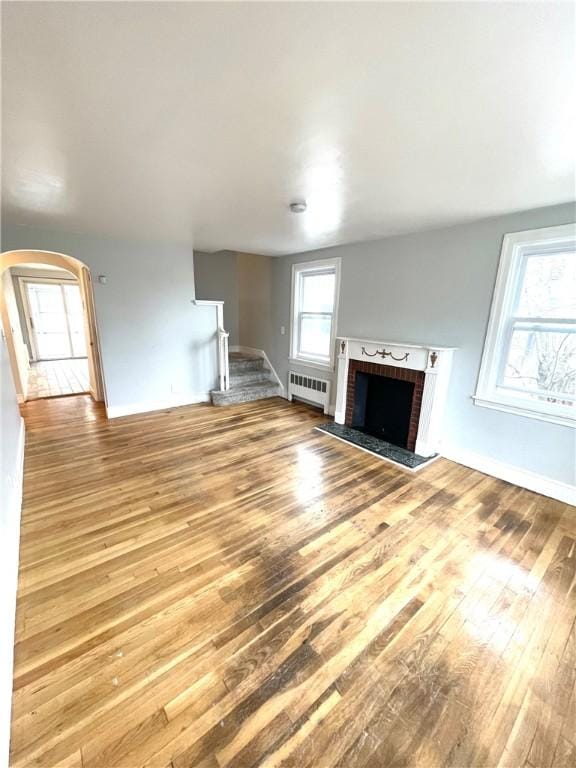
(249, 380)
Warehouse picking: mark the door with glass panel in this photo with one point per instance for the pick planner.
(56, 320)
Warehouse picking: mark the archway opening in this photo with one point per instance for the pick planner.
(49, 321)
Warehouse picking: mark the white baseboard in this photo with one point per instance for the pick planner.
(10, 550)
(116, 411)
(555, 489)
(262, 354)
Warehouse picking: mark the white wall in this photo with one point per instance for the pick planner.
(11, 455)
(436, 288)
(158, 348)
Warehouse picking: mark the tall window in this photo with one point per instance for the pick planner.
(529, 361)
(315, 288)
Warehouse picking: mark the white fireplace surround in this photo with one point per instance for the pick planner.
(436, 362)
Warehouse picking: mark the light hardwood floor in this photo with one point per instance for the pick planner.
(54, 378)
(228, 587)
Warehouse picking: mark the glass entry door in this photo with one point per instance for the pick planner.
(75, 315)
(56, 320)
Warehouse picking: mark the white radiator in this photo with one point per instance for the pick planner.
(310, 389)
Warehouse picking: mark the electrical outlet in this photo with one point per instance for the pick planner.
(282, 330)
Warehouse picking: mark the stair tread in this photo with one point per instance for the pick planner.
(238, 356)
(256, 391)
(254, 385)
(259, 374)
(242, 364)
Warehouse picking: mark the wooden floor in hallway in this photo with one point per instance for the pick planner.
(54, 378)
(219, 587)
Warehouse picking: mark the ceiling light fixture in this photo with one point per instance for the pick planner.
(298, 207)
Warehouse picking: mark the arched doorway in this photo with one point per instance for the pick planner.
(81, 273)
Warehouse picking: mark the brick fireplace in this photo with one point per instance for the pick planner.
(416, 378)
(426, 369)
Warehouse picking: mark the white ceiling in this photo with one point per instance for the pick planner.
(203, 121)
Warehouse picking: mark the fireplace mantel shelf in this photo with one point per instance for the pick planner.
(397, 344)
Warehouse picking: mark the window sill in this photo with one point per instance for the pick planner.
(311, 364)
(519, 410)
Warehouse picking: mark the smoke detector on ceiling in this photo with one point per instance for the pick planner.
(298, 207)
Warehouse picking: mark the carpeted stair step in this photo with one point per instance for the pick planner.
(239, 361)
(249, 380)
(244, 378)
(256, 391)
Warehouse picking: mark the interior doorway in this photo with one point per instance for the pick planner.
(49, 322)
(50, 311)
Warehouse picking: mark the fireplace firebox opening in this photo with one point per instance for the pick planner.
(383, 407)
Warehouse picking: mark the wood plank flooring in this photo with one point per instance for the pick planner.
(229, 587)
(54, 378)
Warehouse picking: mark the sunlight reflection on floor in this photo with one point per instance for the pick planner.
(308, 479)
(496, 622)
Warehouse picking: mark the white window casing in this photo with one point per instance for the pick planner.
(298, 351)
(494, 388)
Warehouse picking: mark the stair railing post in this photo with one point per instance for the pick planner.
(220, 365)
(226, 363)
(223, 364)
(221, 342)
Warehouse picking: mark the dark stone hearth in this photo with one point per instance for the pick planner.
(376, 446)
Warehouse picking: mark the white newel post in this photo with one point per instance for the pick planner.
(223, 362)
(221, 342)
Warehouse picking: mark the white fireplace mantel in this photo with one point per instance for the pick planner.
(435, 361)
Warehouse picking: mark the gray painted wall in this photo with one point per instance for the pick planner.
(157, 346)
(255, 301)
(244, 282)
(216, 277)
(436, 287)
(10, 495)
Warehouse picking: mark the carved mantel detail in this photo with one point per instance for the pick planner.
(383, 353)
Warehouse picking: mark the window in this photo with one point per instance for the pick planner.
(315, 287)
(529, 361)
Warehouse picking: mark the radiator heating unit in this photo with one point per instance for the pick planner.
(308, 388)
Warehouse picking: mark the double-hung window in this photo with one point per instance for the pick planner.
(529, 361)
(315, 287)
